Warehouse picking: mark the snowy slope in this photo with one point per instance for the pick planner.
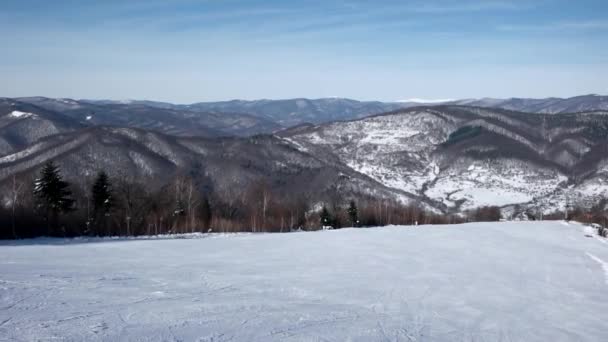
(394, 150)
(542, 281)
(498, 182)
(460, 158)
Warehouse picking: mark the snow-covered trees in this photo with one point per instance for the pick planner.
(53, 195)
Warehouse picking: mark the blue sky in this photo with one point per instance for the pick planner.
(187, 51)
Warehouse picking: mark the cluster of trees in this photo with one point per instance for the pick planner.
(50, 206)
(596, 213)
(485, 214)
(371, 213)
(102, 206)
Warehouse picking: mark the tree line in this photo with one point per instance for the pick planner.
(104, 206)
(50, 206)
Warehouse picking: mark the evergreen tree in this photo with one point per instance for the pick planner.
(103, 201)
(353, 214)
(325, 217)
(53, 195)
(205, 213)
(101, 193)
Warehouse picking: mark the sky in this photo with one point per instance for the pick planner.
(186, 51)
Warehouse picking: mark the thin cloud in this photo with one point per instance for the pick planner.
(480, 6)
(558, 26)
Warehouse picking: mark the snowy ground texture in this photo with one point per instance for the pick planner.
(542, 281)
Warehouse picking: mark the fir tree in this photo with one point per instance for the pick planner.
(53, 195)
(205, 213)
(353, 214)
(101, 195)
(325, 217)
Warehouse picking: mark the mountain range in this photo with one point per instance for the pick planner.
(446, 157)
(292, 112)
(552, 105)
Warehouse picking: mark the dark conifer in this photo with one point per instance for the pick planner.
(353, 214)
(205, 212)
(53, 196)
(103, 201)
(325, 216)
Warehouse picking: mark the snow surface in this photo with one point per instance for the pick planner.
(498, 183)
(515, 281)
(19, 114)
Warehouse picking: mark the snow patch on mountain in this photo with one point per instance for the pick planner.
(391, 149)
(141, 162)
(499, 182)
(22, 154)
(20, 114)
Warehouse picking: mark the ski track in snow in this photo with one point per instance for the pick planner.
(514, 281)
(602, 263)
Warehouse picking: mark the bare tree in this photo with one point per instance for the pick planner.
(16, 191)
(191, 205)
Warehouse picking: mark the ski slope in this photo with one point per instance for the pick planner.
(538, 281)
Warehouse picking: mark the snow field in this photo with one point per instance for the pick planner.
(513, 281)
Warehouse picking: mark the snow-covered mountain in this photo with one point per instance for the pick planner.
(286, 113)
(290, 112)
(169, 119)
(224, 166)
(446, 157)
(550, 105)
(240, 117)
(465, 157)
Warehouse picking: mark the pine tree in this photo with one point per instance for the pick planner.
(101, 194)
(325, 217)
(206, 213)
(353, 214)
(53, 195)
(103, 201)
